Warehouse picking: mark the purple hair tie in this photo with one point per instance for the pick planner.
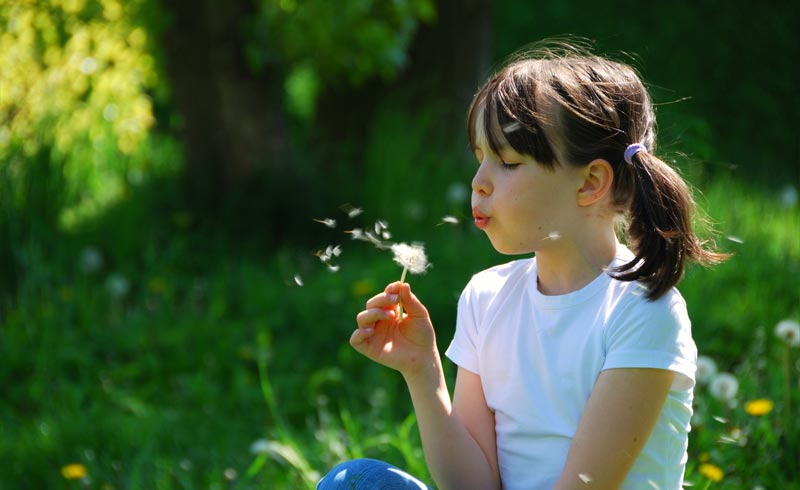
(632, 150)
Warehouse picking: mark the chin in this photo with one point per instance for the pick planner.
(507, 249)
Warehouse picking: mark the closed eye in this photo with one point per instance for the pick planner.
(509, 166)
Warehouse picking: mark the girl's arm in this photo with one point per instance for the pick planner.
(620, 415)
(458, 438)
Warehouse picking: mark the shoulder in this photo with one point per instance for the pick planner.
(633, 295)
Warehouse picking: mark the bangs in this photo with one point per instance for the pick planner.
(504, 114)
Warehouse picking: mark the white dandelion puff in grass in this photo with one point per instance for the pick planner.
(706, 369)
(789, 332)
(724, 387)
(329, 222)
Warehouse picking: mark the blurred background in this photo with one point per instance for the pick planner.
(177, 183)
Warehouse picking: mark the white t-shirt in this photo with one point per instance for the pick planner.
(539, 357)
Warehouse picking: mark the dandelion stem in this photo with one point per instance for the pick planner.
(400, 301)
(787, 387)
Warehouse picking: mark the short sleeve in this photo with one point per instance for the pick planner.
(654, 334)
(463, 347)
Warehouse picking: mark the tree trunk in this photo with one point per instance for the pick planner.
(232, 123)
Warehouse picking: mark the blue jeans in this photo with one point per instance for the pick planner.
(369, 474)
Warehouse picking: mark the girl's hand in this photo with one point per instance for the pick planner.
(407, 344)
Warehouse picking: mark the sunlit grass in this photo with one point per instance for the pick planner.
(171, 362)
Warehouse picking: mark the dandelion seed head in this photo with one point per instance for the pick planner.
(788, 196)
(411, 257)
(724, 387)
(91, 260)
(706, 369)
(789, 332)
(117, 286)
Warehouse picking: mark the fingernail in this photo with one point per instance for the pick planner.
(392, 297)
(367, 330)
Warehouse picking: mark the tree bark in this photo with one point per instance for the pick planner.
(232, 122)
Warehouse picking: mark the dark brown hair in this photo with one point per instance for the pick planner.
(564, 106)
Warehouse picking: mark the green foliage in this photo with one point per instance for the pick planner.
(320, 43)
(77, 87)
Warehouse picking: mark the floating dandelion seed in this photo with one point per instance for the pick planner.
(511, 127)
(298, 280)
(585, 478)
(333, 268)
(351, 210)
(789, 332)
(329, 222)
(449, 220)
(734, 239)
(553, 235)
(413, 259)
(653, 484)
(356, 234)
(721, 420)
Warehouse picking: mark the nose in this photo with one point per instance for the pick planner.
(481, 184)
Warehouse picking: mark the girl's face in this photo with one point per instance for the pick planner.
(522, 206)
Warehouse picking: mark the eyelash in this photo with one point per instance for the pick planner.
(509, 166)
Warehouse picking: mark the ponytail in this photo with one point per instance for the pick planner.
(660, 228)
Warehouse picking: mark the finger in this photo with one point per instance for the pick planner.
(383, 300)
(361, 335)
(411, 303)
(371, 316)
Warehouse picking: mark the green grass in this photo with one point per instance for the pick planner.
(215, 346)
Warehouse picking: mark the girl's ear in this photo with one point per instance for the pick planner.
(598, 177)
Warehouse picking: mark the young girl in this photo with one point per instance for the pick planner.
(576, 367)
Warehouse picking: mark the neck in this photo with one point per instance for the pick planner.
(572, 264)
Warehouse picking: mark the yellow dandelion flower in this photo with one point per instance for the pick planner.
(759, 407)
(712, 472)
(74, 471)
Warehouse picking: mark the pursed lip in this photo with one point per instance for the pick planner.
(481, 220)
